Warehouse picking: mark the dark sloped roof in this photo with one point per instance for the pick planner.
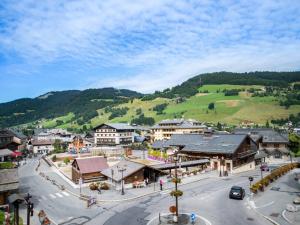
(160, 144)
(9, 180)
(91, 164)
(131, 167)
(183, 164)
(117, 126)
(42, 142)
(269, 135)
(5, 152)
(221, 143)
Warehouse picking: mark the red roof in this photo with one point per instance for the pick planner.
(91, 164)
(16, 154)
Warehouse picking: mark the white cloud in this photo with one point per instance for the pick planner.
(160, 42)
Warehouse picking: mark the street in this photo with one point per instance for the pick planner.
(207, 198)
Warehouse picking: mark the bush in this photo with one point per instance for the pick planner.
(94, 186)
(66, 161)
(7, 165)
(54, 158)
(177, 193)
(104, 186)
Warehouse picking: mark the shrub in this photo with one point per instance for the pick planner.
(54, 158)
(104, 186)
(66, 161)
(94, 186)
(177, 193)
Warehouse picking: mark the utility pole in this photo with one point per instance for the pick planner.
(121, 170)
(29, 207)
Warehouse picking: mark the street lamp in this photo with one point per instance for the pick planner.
(175, 158)
(121, 170)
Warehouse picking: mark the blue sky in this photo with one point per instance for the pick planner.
(141, 45)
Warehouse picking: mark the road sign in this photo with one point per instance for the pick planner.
(172, 209)
(80, 181)
(193, 217)
(250, 179)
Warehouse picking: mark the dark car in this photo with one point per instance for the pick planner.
(264, 167)
(237, 192)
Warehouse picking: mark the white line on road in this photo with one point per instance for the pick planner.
(59, 195)
(65, 193)
(52, 196)
(265, 205)
(43, 197)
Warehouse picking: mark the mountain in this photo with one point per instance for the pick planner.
(54, 104)
(237, 97)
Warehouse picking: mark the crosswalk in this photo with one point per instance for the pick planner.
(62, 194)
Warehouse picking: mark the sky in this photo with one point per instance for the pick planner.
(54, 45)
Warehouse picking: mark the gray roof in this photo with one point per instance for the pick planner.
(260, 154)
(5, 152)
(9, 180)
(118, 126)
(179, 123)
(183, 164)
(131, 167)
(160, 144)
(269, 135)
(215, 144)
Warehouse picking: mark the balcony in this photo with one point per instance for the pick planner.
(246, 153)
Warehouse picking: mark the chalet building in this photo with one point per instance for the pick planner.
(133, 172)
(166, 128)
(89, 169)
(12, 140)
(272, 144)
(229, 153)
(42, 146)
(113, 134)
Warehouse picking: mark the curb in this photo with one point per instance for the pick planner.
(207, 222)
(267, 218)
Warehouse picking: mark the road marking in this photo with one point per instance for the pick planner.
(164, 192)
(52, 196)
(65, 193)
(59, 195)
(43, 197)
(265, 205)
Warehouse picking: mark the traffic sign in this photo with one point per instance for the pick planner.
(250, 179)
(193, 217)
(172, 209)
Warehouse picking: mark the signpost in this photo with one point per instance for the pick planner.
(80, 184)
(193, 218)
(91, 201)
(250, 180)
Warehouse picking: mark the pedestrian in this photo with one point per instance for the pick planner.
(99, 190)
(147, 181)
(161, 184)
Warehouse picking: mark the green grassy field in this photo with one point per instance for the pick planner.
(228, 109)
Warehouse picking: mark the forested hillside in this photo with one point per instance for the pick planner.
(83, 104)
(213, 97)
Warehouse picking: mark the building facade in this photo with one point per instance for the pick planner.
(166, 128)
(113, 134)
(42, 146)
(270, 142)
(228, 153)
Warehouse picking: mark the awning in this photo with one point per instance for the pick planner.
(16, 154)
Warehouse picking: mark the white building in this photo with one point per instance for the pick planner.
(113, 134)
(42, 146)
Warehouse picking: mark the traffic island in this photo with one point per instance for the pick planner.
(183, 219)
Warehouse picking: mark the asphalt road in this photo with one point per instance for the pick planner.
(207, 198)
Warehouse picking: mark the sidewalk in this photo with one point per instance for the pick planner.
(272, 203)
(113, 195)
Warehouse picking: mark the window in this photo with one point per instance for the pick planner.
(276, 145)
(277, 155)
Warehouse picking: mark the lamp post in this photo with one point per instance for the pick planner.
(220, 168)
(121, 170)
(175, 158)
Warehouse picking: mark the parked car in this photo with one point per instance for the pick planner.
(264, 167)
(237, 192)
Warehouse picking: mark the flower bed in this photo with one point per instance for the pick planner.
(275, 174)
